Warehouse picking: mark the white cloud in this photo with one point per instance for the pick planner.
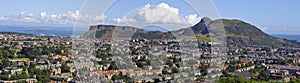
(70, 17)
(30, 15)
(166, 6)
(23, 13)
(161, 13)
(192, 18)
(24, 17)
(43, 15)
(149, 14)
(2, 18)
(100, 18)
(28, 19)
(125, 20)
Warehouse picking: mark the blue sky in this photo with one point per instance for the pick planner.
(276, 16)
(13, 7)
(273, 16)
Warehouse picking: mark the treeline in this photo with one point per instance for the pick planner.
(153, 35)
(15, 33)
(5, 76)
(43, 76)
(32, 53)
(6, 53)
(238, 79)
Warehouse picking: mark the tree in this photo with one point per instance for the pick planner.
(4, 76)
(7, 54)
(5, 62)
(23, 75)
(31, 52)
(113, 66)
(43, 76)
(1, 54)
(115, 77)
(263, 76)
(13, 77)
(65, 68)
(175, 70)
(231, 80)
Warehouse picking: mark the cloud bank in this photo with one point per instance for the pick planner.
(69, 17)
(161, 13)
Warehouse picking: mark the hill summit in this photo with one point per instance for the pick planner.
(236, 32)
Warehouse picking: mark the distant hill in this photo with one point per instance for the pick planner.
(46, 30)
(287, 36)
(237, 33)
(17, 33)
(111, 31)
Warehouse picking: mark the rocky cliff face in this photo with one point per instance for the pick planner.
(110, 31)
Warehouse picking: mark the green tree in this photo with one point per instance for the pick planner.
(7, 54)
(4, 76)
(115, 77)
(175, 70)
(65, 68)
(5, 62)
(1, 54)
(23, 75)
(113, 66)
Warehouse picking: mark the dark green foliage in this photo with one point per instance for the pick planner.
(65, 68)
(175, 70)
(141, 64)
(6, 53)
(23, 75)
(237, 79)
(43, 76)
(204, 69)
(115, 77)
(231, 80)
(113, 66)
(121, 77)
(103, 52)
(295, 80)
(31, 52)
(35, 52)
(263, 76)
(4, 76)
(5, 62)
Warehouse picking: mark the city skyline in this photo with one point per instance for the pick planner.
(273, 17)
